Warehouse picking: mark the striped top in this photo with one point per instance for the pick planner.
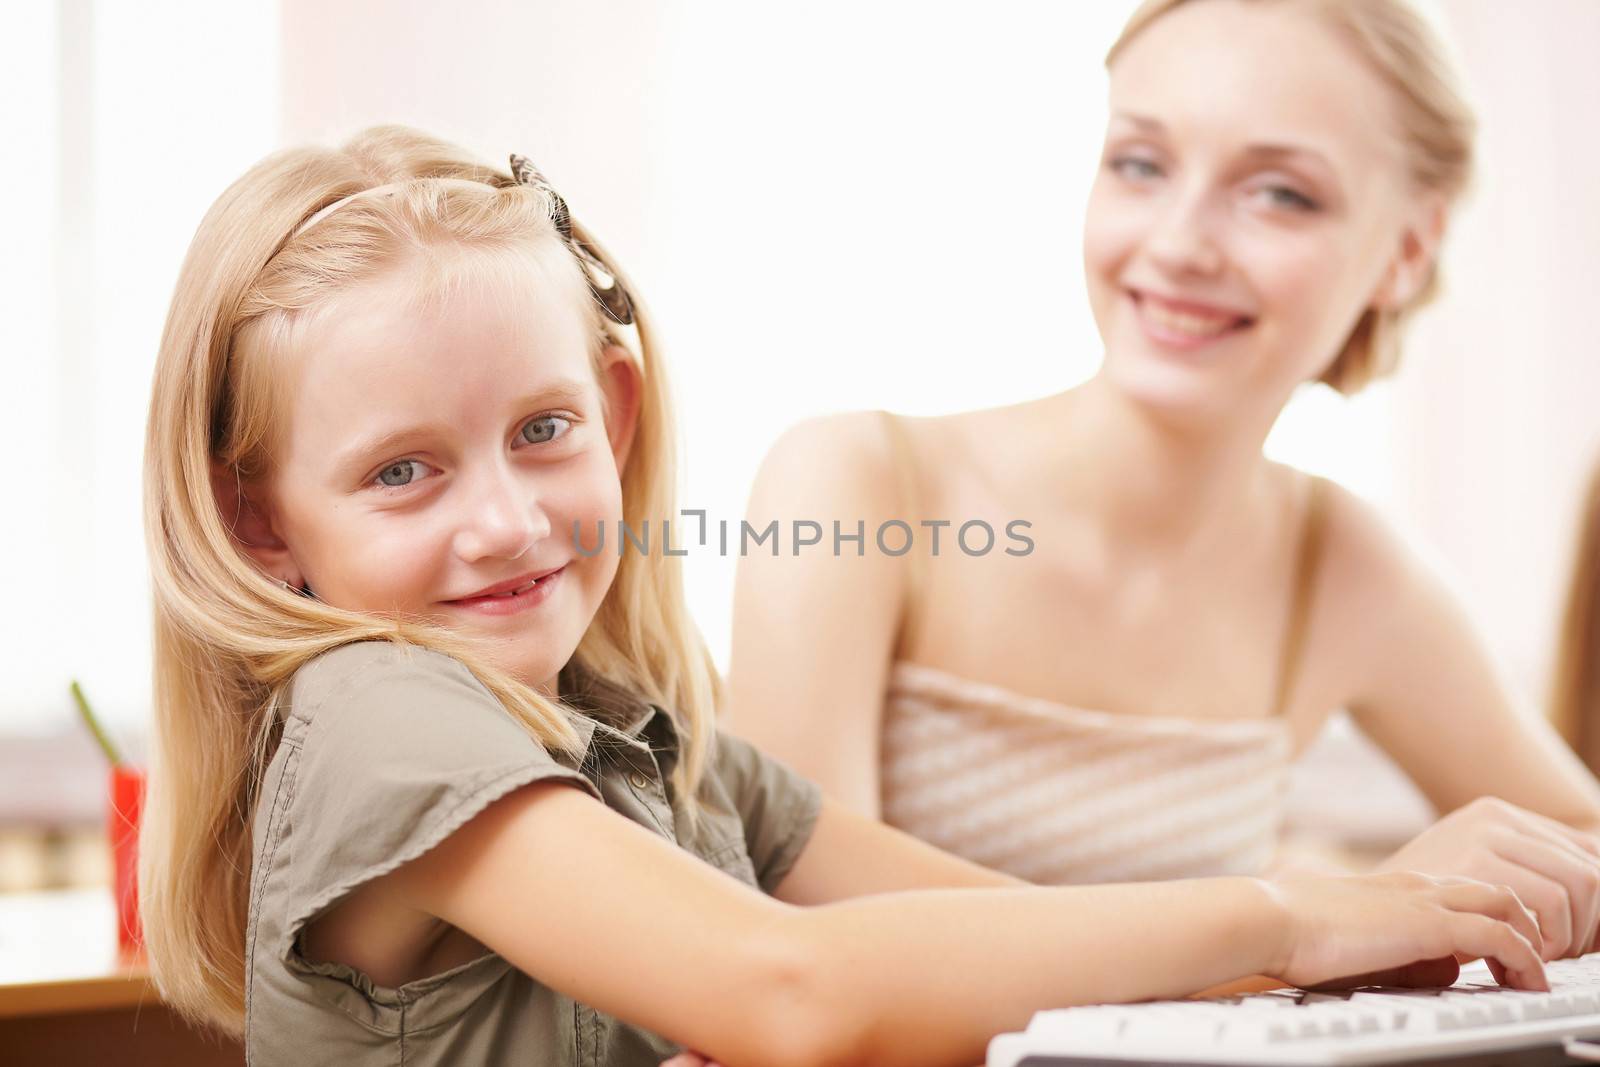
(1056, 794)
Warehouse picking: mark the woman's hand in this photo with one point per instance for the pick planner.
(689, 1059)
(1553, 868)
(1404, 929)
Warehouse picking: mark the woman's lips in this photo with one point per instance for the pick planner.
(1183, 328)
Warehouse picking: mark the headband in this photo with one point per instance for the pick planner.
(613, 298)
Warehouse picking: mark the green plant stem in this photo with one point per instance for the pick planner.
(100, 735)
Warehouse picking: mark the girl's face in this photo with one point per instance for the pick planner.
(1249, 206)
(433, 454)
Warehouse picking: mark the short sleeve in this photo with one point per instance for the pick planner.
(399, 746)
(778, 807)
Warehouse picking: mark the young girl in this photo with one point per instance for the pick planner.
(1123, 702)
(435, 782)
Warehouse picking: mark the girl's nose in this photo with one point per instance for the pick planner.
(504, 519)
(1181, 242)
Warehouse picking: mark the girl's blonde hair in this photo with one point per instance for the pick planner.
(1436, 128)
(1575, 692)
(227, 638)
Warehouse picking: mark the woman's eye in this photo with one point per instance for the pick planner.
(1134, 167)
(537, 431)
(1283, 196)
(398, 471)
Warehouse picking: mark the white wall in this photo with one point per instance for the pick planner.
(828, 206)
(1499, 424)
(835, 206)
(132, 118)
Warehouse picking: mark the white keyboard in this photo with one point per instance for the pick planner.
(1367, 1026)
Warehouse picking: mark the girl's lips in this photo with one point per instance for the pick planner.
(515, 603)
(509, 585)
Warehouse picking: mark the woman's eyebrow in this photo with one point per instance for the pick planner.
(1291, 151)
(1264, 150)
(561, 392)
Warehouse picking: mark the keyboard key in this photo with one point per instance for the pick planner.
(1292, 1027)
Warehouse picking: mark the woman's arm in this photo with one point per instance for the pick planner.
(1429, 695)
(814, 633)
(850, 855)
(606, 912)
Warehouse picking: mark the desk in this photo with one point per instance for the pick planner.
(66, 997)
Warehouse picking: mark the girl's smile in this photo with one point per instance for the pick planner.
(516, 596)
(447, 433)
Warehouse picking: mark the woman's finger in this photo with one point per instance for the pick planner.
(1586, 843)
(1496, 902)
(1491, 939)
(1546, 897)
(1576, 872)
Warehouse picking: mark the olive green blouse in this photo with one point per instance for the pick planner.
(385, 750)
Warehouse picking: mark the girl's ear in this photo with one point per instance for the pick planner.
(247, 516)
(1412, 261)
(622, 384)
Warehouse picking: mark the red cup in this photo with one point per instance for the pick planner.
(127, 800)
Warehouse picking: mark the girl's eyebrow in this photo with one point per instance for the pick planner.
(566, 391)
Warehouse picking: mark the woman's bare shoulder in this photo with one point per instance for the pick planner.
(843, 459)
(857, 449)
(1371, 580)
(1362, 547)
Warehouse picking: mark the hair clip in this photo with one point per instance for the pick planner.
(613, 298)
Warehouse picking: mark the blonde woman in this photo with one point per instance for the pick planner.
(1116, 691)
(436, 783)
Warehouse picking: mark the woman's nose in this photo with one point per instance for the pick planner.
(1182, 241)
(504, 519)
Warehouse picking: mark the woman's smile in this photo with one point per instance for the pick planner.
(1184, 325)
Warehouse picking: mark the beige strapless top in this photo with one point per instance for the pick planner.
(1057, 794)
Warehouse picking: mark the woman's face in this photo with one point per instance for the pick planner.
(1249, 205)
(432, 454)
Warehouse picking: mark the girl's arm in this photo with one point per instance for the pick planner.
(814, 633)
(1429, 695)
(606, 912)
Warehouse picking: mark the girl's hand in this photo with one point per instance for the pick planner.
(689, 1059)
(1553, 868)
(1404, 929)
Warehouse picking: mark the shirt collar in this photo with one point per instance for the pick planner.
(614, 708)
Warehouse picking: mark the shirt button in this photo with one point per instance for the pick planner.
(638, 781)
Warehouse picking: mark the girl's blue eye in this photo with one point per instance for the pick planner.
(400, 467)
(543, 430)
(535, 431)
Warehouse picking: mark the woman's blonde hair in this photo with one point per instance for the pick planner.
(1575, 692)
(228, 638)
(1436, 127)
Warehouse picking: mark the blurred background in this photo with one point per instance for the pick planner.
(828, 206)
